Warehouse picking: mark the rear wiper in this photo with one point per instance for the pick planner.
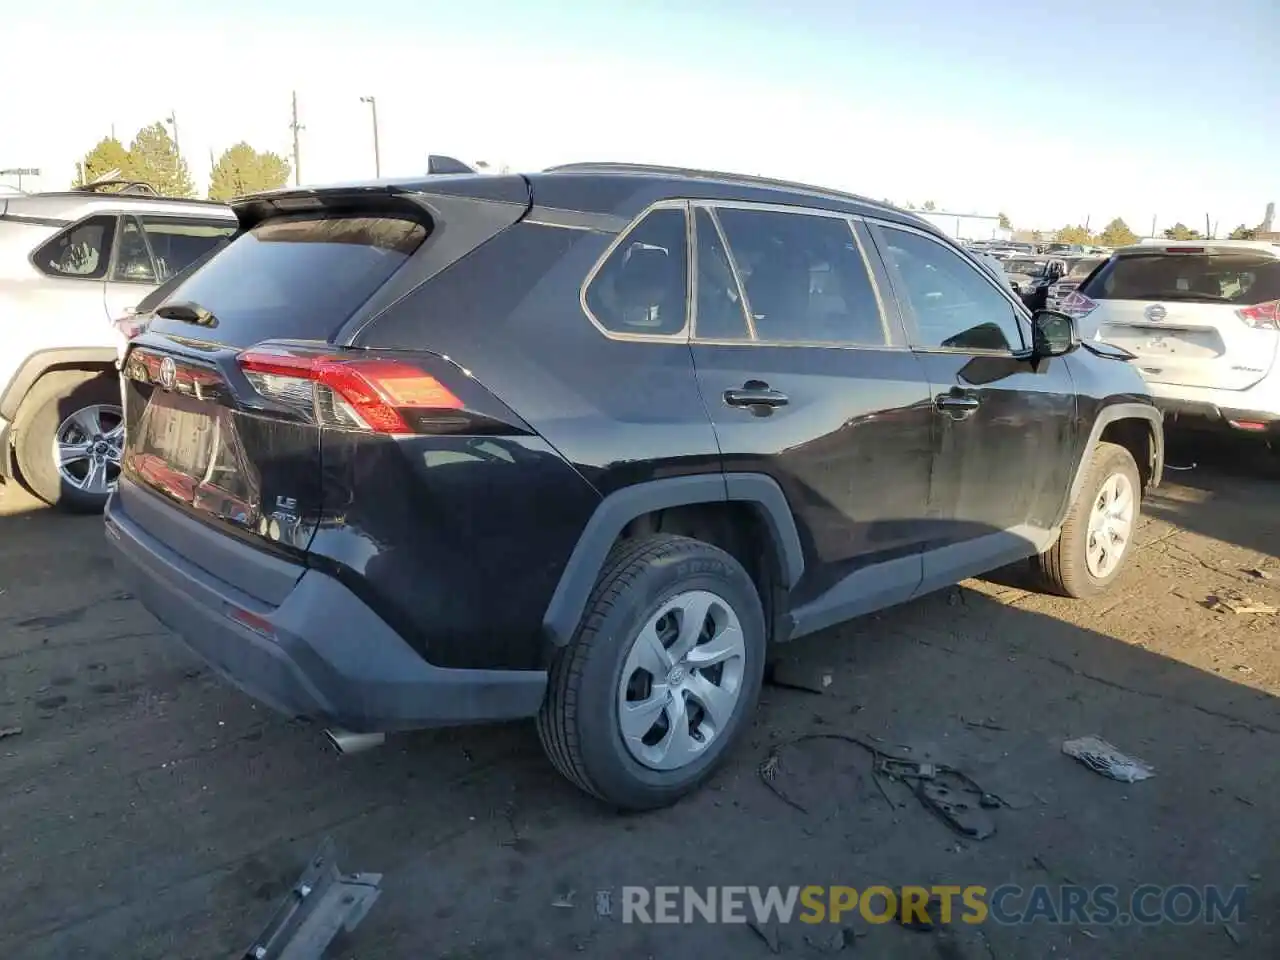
(188, 311)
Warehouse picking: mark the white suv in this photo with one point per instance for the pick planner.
(1202, 319)
(70, 263)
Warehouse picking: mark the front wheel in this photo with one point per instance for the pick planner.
(1097, 537)
(70, 438)
(662, 675)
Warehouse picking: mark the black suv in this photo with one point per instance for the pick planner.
(582, 444)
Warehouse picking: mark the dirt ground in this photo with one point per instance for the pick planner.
(150, 811)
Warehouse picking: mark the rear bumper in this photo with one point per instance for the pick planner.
(1259, 405)
(321, 653)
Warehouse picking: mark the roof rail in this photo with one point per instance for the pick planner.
(692, 173)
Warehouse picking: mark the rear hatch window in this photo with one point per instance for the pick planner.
(295, 277)
(1238, 279)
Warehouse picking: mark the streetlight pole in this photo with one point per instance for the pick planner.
(172, 120)
(377, 159)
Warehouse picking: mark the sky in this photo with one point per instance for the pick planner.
(1050, 112)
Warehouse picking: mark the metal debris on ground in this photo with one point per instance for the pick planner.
(322, 903)
(565, 900)
(1170, 466)
(604, 903)
(1237, 603)
(1105, 758)
(790, 672)
(768, 932)
(9, 732)
(951, 794)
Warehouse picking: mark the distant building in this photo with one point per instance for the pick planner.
(966, 226)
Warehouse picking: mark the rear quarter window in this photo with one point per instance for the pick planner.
(1240, 279)
(296, 277)
(82, 251)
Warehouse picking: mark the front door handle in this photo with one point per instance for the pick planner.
(956, 405)
(755, 394)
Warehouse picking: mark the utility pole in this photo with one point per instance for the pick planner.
(1153, 225)
(1208, 231)
(212, 164)
(172, 120)
(377, 160)
(295, 126)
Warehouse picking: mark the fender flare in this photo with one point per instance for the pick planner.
(40, 363)
(1107, 416)
(564, 611)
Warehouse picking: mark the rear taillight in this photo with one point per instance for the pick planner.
(1077, 305)
(377, 395)
(1261, 316)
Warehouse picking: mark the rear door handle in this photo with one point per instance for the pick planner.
(754, 394)
(958, 406)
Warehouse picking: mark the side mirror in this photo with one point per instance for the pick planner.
(1053, 334)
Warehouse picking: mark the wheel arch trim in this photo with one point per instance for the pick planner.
(1107, 416)
(41, 362)
(611, 516)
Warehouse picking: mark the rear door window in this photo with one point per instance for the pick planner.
(296, 277)
(721, 313)
(82, 251)
(641, 288)
(1240, 279)
(804, 277)
(177, 243)
(133, 260)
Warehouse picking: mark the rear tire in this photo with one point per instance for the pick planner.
(697, 711)
(51, 404)
(1087, 557)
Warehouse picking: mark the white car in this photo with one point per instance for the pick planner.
(73, 267)
(1203, 321)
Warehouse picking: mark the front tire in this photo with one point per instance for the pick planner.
(1097, 537)
(662, 675)
(70, 435)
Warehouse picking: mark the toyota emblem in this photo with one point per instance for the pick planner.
(1156, 312)
(168, 373)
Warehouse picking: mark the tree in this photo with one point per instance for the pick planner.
(1117, 234)
(1244, 233)
(242, 170)
(155, 159)
(909, 205)
(1070, 234)
(930, 205)
(107, 155)
(1180, 231)
(1005, 224)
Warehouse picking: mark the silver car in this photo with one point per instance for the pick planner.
(71, 265)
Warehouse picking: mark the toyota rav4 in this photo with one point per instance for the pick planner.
(582, 445)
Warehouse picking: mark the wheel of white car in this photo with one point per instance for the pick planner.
(70, 437)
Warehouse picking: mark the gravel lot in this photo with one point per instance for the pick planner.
(151, 811)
